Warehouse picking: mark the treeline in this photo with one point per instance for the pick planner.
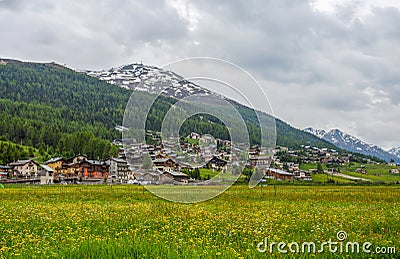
(11, 152)
(85, 143)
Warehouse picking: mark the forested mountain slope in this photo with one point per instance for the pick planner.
(65, 112)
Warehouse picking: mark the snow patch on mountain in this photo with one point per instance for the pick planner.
(395, 151)
(317, 132)
(150, 79)
(353, 144)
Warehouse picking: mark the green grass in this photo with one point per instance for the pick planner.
(323, 178)
(375, 173)
(307, 167)
(204, 172)
(192, 141)
(128, 221)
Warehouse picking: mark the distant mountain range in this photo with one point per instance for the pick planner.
(353, 144)
(395, 151)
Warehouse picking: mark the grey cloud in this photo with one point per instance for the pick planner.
(320, 66)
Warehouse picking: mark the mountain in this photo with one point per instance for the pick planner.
(65, 112)
(352, 144)
(317, 132)
(53, 108)
(151, 79)
(130, 77)
(395, 151)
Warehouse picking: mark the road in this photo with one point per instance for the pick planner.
(351, 177)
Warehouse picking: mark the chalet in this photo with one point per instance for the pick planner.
(254, 152)
(217, 163)
(221, 142)
(118, 167)
(4, 171)
(259, 160)
(88, 169)
(24, 168)
(58, 164)
(194, 135)
(302, 175)
(147, 177)
(177, 176)
(278, 174)
(164, 164)
(78, 158)
(258, 157)
(46, 174)
(208, 139)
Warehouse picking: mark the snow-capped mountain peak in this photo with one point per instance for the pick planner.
(317, 132)
(150, 79)
(353, 144)
(395, 151)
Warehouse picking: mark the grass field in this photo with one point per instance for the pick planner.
(375, 173)
(128, 221)
(321, 178)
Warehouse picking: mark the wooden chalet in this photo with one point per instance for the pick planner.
(59, 165)
(24, 168)
(88, 169)
(217, 163)
(164, 164)
(176, 176)
(278, 174)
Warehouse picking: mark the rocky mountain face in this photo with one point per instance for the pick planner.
(353, 144)
(395, 151)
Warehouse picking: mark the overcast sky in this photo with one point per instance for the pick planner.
(326, 64)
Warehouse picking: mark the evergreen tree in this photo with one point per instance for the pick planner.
(320, 169)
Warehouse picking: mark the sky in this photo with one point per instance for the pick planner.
(325, 64)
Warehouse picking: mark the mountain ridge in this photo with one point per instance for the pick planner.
(353, 144)
(394, 151)
(140, 77)
(46, 103)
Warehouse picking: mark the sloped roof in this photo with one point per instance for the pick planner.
(173, 173)
(118, 160)
(22, 162)
(47, 168)
(95, 162)
(161, 160)
(279, 171)
(55, 159)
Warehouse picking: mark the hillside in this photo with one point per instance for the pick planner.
(11, 152)
(66, 112)
(45, 106)
(151, 79)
